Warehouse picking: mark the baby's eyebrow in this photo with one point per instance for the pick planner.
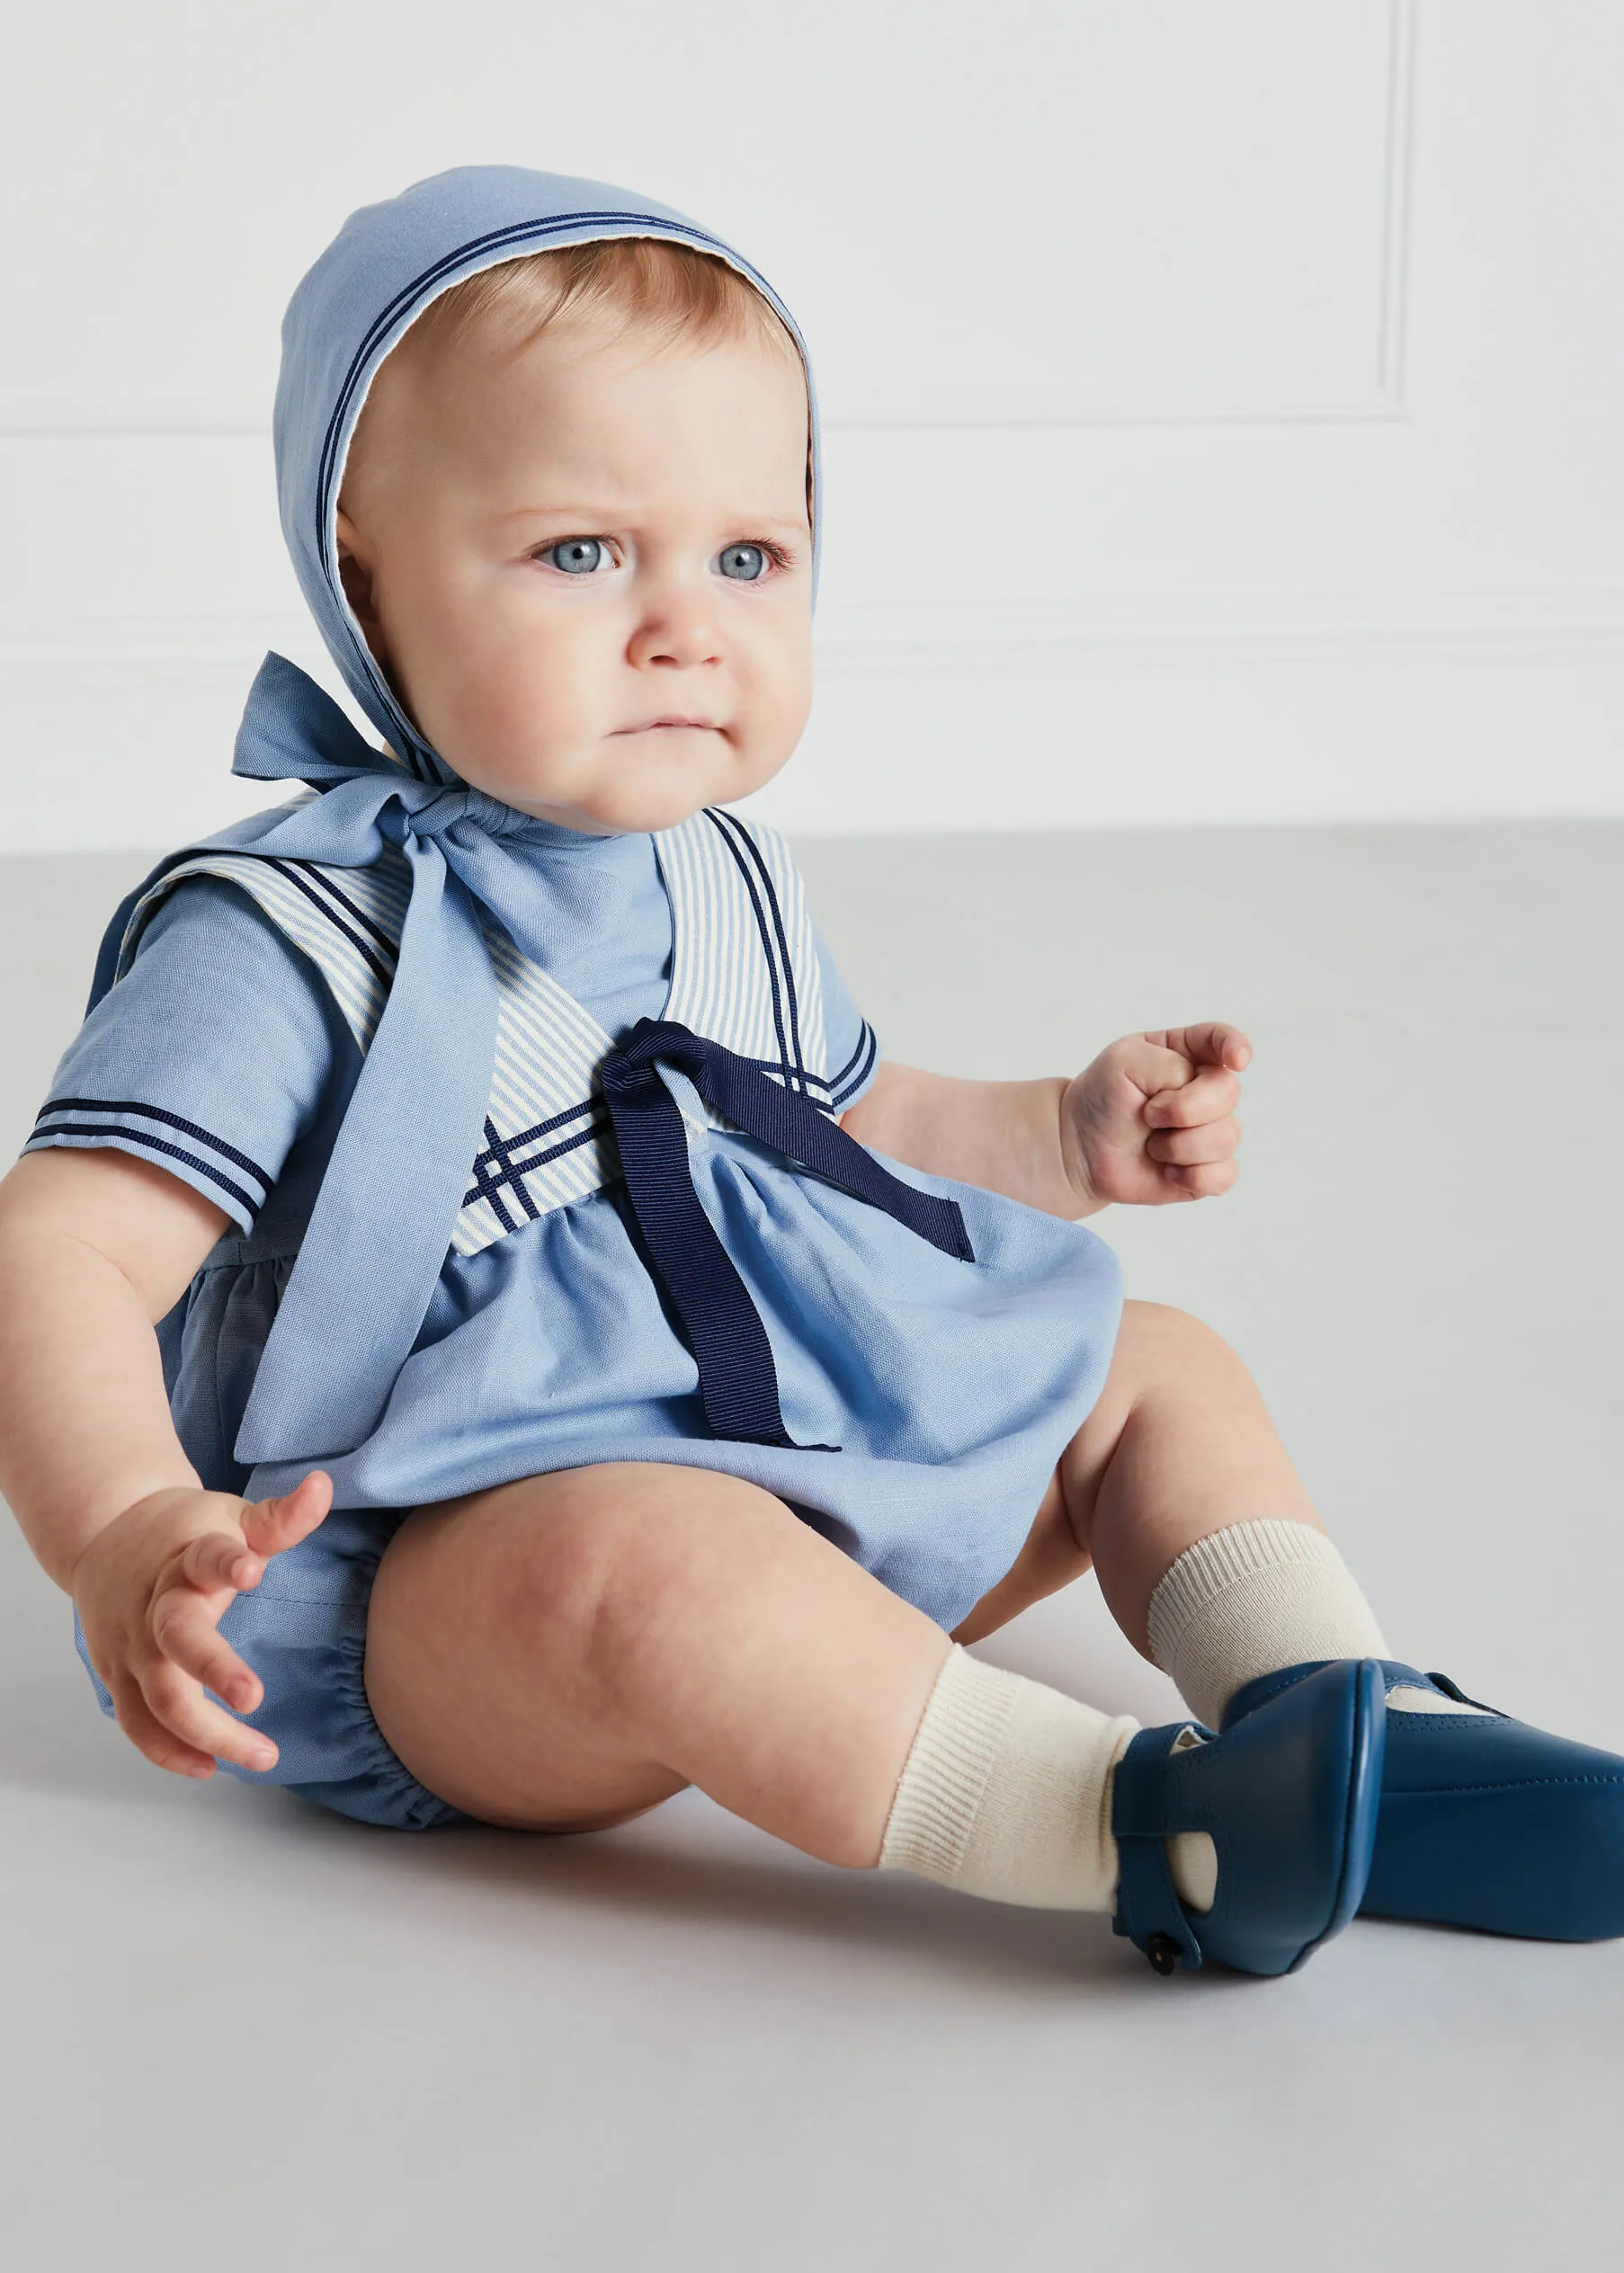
(580, 516)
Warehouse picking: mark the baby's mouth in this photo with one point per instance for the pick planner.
(650, 726)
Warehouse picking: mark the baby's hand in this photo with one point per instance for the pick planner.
(1153, 1118)
(151, 1588)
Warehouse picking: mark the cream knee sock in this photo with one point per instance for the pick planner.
(1006, 1793)
(1254, 1598)
(1250, 1600)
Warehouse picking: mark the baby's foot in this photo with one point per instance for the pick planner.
(1289, 1799)
(1484, 1821)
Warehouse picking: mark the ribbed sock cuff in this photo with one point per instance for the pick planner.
(1006, 1792)
(946, 1772)
(1251, 1600)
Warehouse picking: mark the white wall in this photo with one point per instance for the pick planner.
(1223, 394)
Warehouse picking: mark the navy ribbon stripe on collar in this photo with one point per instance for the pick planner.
(738, 1381)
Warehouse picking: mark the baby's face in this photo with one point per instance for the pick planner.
(586, 565)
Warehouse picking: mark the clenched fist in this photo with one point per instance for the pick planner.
(1153, 1118)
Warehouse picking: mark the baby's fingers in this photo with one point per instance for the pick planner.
(177, 1702)
(150, 1738)
(220, 1559)
(1195, 1148)
(271, 1526)
(1205, 1181)
(183, 1624)
(1208, 1097)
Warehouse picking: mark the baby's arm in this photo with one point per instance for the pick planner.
(95, 1247)
(1151, 1120)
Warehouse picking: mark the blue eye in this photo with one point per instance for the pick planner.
(745, 563)
(576, 555)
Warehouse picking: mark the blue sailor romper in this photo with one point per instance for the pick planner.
(226, 1053)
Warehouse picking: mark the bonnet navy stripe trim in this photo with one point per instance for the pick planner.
(121, 1138)
(761, 924)
(513, 233)
(325, 883)
(384, 971)
(152, 1112)
(737, 829)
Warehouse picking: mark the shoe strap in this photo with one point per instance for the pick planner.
(1268, 1685)
(1148, 1909)
(1454, 1689)
(1394, 1675)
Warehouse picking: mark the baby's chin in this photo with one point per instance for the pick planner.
(636, 784)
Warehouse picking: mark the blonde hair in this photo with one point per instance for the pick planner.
(667, 290)
(658, 288)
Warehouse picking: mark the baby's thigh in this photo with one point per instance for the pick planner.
(485, 1663)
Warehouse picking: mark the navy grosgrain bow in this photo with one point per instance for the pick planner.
(738, 1381)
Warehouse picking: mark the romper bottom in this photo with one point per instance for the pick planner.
(303, 1629)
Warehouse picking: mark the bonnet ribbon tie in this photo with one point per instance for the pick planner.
(738, 1381)
(373, 1249)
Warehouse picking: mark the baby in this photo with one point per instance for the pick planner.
(583, 1366)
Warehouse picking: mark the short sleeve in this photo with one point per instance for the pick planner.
(853, 1050)
(210, 1057)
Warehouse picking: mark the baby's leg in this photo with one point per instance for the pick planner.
(1180, 1491)
(562, 1653)
(568, 1650)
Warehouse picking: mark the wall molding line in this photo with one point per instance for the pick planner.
(1383, 405)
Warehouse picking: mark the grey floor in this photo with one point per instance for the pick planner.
(239, 2032)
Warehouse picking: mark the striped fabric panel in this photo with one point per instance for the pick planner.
(545, 1131)
(347, 921)
(744, 969)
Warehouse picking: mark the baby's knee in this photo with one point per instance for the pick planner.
(624, 1549)
(1156, 1342)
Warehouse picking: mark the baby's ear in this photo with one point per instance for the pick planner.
(356, 578)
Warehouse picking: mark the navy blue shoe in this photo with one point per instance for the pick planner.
(1289, 1799)
(1484, 1821)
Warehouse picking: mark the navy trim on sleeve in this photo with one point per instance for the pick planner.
(153, 1112)
(857, 1069)
(856, 1074)
(53, 1127)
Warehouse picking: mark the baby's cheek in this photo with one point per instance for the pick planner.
(528, 699)
(779, 698)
